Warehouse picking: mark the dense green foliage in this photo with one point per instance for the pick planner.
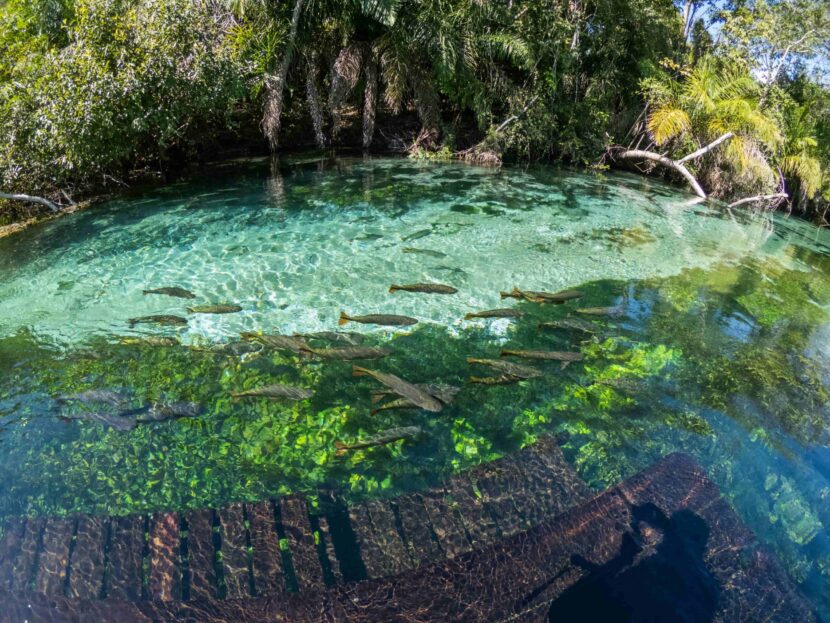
(91, 90)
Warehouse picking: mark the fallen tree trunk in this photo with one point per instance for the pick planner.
(677, 165)
(754, 198)
(29, 198)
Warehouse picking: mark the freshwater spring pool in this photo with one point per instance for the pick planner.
(722, 349)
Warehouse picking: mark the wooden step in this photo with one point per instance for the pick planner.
(86, 580)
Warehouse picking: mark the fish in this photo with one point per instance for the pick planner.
(426, 288)
(495, 313)
(614, 311)
(276, 390)
(381, 319)
(381, 439)
(444, 393)
(569, 324)
(556, 298)
(352, 339)
(112, 397)
(350, 352)
(508, 367)
(423, 233)
(504, 379)
(400, 403)
(172, 291)
(554, 355)
(428, 252)
(403, 388)
(118, 422)
(162, 319)
(295, 344)
(214, 309)
(151, 340)
(237, 349)
(166, 410)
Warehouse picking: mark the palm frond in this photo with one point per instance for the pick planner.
(667, 122)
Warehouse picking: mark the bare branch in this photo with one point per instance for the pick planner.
(638, 154)
(777, 197)
(705, 150)
(31, 199)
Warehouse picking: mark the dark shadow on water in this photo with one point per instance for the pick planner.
(658, 576)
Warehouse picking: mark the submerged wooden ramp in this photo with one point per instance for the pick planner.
(501, 542)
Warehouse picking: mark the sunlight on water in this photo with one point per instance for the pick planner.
(721, 348)
(295, 250)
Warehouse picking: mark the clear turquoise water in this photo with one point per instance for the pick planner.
(723, 348)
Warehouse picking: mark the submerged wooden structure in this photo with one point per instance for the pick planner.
(501, 542)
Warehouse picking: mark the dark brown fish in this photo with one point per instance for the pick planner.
(381, 319)
(112, 397)
(601, 311)
(381, 439)
(400, 403)
(444, 393)
(173, 291)
(214, 309)
(554, 355)
(118, 422)
(508, 367)
(426, 288)
(350, 352)
(279, 342)
(351, 339)
(402, 388)
(556, 298)
(162, 319)
(569, 324)
(150, 340)
(276, 390)
(495, 313)
(504, 379)
(167, 410)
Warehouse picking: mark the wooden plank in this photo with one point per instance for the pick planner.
(417, 529)
(388, 539)
(446, 524)
(201, 555)
(15, 528)
(503, 488)
(328, 546)
(234, 551)
(53, 562)
(86, 579)
(478, 523)
(374, 558)
(165, 557)
(304, 559)
(269, 576)
(24, 566)
(126, 557)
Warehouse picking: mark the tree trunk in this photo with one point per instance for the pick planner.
(344, 76)
(313, 98)
(677, 165)
(773, 197)
(370, 97)
(30, 199)
(275, 84)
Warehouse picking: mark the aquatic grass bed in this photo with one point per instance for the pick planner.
(722, 348)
